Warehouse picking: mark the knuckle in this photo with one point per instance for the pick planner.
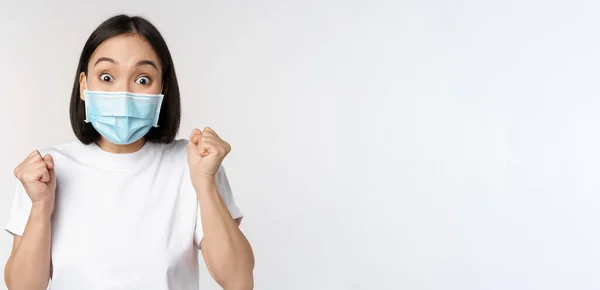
(32, 173)
(35, 154)
(25, 177)
(38, 165)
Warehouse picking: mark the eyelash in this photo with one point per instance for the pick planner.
(105, 74)
(147, 83)
(136, 80)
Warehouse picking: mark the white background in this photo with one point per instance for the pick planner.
(377, 145)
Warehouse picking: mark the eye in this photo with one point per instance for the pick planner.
(106, 77)
(142, 80)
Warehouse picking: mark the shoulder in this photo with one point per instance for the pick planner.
(175, 148)
(173, 153)
(66, 149)
(77, 150)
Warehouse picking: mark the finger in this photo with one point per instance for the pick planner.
(192, 150)
(45, 176)
(34, 153)
(211, 138)
(52, 175)
(219, 144)
(204, 147)
(35, 156)
(208, 133)
(37, 166)
(35, 174)
(208, 147)
(49, 161)
(227, 146)
(17, 172)
(210, 130)
(195, 136)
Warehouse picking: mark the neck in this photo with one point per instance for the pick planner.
(105, 145)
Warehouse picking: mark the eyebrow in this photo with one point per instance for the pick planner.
(147, 62)
(140, 63)
(105, 59)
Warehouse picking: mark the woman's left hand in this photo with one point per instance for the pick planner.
(206, 151)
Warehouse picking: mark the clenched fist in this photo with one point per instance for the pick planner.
(206, 151)
(37, 176)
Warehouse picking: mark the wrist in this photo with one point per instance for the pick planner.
(42, 208)
(204, 182)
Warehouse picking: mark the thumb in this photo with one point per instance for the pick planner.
(49, 161)
(52, 175)
(50, 166)
(195, 136)
(192, 152)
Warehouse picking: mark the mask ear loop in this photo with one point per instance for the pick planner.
(86, 120)
(158, 108)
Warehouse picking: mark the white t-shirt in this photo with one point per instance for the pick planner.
(123, 221)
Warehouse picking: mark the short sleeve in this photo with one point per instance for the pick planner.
(19, 212)
(224, 189)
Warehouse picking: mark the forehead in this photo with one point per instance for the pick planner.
(125, 49)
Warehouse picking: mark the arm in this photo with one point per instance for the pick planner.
(29, 265)
(226, 251)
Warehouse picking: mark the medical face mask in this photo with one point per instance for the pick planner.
(122, 117)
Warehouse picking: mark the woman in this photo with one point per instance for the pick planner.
(126, 206)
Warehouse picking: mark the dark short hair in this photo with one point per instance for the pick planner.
(170, 113)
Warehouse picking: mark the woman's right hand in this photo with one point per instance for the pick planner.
(38, 178)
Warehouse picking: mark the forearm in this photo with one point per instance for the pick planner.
(29, 265)
(225, 248)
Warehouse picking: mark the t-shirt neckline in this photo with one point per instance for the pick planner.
(119, 160)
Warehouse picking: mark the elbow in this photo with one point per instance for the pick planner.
(233, 267)
(239, 276)
(6, 278)
(15, 282)
(7, 275)
(239, 281)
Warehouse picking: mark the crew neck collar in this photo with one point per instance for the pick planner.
(119, 160)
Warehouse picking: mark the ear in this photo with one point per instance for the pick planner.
(82, 78)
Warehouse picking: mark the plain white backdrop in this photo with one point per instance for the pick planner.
(376, 144)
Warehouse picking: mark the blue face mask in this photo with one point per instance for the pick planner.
(122, 117)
